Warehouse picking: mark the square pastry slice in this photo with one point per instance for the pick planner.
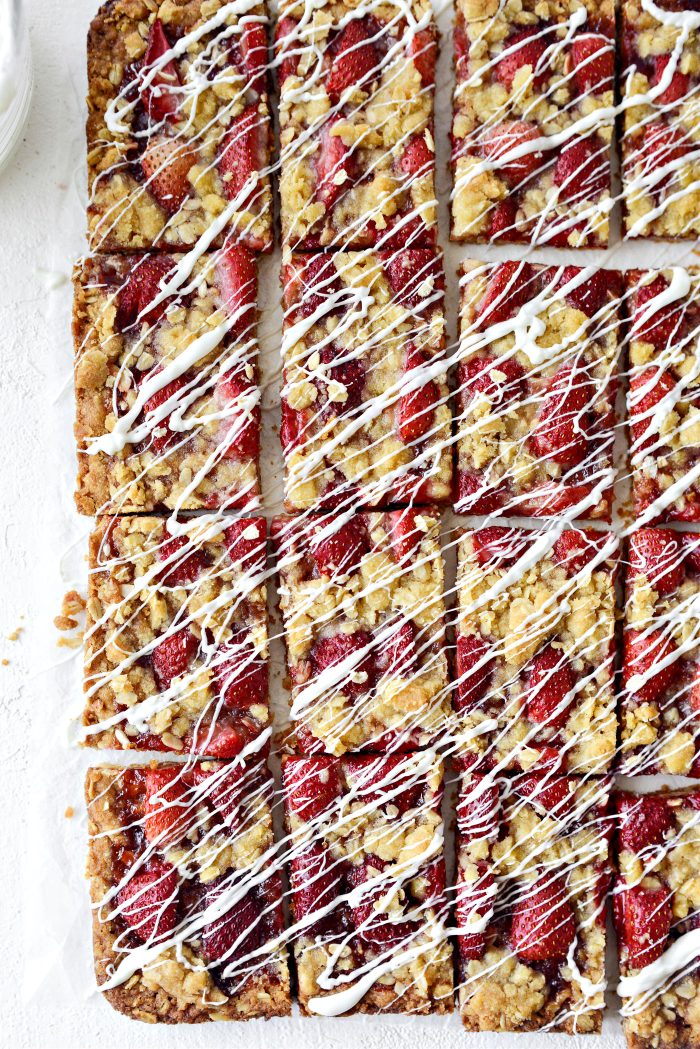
(186, 894)
(533, 121)
(661, 669)
(537, 385)
(664, 394)
(356, 124)
(365, 404)
(176, 651)
(535, 648)
(166, 382)
(368, 884)
(532, 880)
(660, 83)
(363, 609)
(179, 130)
(656, 905)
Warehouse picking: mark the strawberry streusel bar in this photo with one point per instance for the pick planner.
(664, 393)
(167, 398)
(533, 121)
(187, 904)
(363, 610)
(660, 151)
(179, 127)
(176, 635)
(356, 124)
(535, 640)
(532, 879)
(368, 884)
(365, 404)
(661, 669)
(537, 384)
(657, 917)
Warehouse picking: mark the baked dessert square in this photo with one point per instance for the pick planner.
(366, 419)
(533, 121)
(537, 382)
(356, 124)
(179, 131)
(176, 653)
(660, 77)
(533, 875)
(367, 877)
(656, 905)
(661, 668)
(362, 601)
(535, 649)
(166, 382)
(663, 400)
(186, 896)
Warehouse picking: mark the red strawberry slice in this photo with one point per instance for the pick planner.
(692, 551)
(287, 43)
(172, 656)
(417, 408)
(477, 376)
(678, 87)
(550, 686)
(377, 930)
(644, 821)
(657, 554)
(543, 926)
(473, 901)
(500, 143)
(643, 652)
(662, 146)
(646, 923)
(593, 59)
(160, 96)
(381, 772)
(647, 389)
(406, 537)
(330, 651)
(148, 901)
(510, 285)
(524, 48)
(161, 434)
(166, 163)
(575, 550)
(582, 171)
(242, 154)
(237, 280)
(335, 166)
(399, 656)
(497, 547)
(254, 54)
(414, 276)
(423, 51)
(320, 281)
(316, 879)
(226, 738)
(241, 427)
(242, 676)
(311, 785)
(291, 429)
(221, 788)
(474, 670)
(478, 810)
(167, 807)
(141, 288)
(354, 60)
(560, 428)
(417, 158)
(341, 551)
(245, 542)
(183, 562)
(351, 374)
(589, 295)
(503, 219)
(655, 324)
(553, 795)
(238, 932)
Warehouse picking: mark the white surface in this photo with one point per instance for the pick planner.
(45, 919)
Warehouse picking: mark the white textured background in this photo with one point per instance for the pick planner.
(46, 972)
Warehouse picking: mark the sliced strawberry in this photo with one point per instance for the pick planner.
(406, 537)
(160, 96)
(662, 146)
(237, 280)
(644, 820)
(254, 54)
(646, 923)
(500, 143)
(316, 879)
(473, 901)
(355, 58)
(235, 934)
(582, 170)
(679, 86)
(330, 651)
(647, 389)
(183, 562)
(320, 282)
(417, 158)
(242, 154)
(423, 51)
(509, 286)
(245, 542)
(342, 550)
(417, 408)
(291, 428)
(559, 433)
(221, 788)
(477, 376)
(167, 808)
(242, 676)
(172, 656)
(414, 276)
(381, 772)
(161, 434)
(350, 373)
(590, 295)
(550, 687)
(503, 219)
(400, 656)
(166, 163)
(141, 288)
(240, 426)
(575, 550)
(335, 166)
(692, 551)
(593, 59)
(644, 650)
(372, 926)
(475, 668)
(478, 810)
(148, 901)
(311, 785)
(657, 554)
(287, 43)
(553, 795)
(655, 325)
(524, 48)
(226, 739)
(543, 926)
(497, 547)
